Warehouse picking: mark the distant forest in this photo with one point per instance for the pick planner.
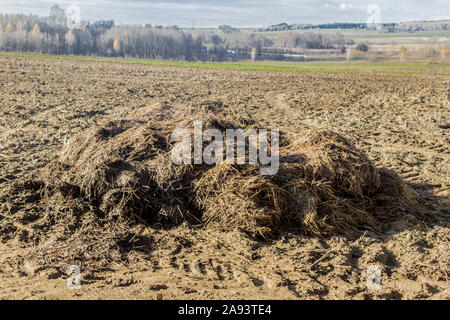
(413, 26)
(51, 35)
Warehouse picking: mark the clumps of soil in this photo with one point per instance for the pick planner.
(92, 201)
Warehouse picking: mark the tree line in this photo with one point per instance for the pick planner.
(412, 26)
(52, 35)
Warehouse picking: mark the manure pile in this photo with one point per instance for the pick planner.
(110, 182)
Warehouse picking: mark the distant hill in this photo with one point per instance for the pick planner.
(411, 26)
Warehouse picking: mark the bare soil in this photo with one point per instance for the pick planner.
(401, 122)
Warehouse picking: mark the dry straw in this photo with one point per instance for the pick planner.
(108, 179)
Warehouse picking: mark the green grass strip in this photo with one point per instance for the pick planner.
(356, 67)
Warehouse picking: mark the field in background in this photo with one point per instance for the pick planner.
(364, 34)
(422, 46)
(424, 66)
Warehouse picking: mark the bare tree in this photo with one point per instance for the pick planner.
(443, 53)
(10, 27)
(116, 46)
(253, 54)
(402, 53)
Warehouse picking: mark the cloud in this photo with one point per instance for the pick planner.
(240, 13)
(345, 6)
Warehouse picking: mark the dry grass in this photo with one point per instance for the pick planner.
(110, 179)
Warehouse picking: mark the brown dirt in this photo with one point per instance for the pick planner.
(400, 122)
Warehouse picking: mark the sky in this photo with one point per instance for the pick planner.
(242, 13)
